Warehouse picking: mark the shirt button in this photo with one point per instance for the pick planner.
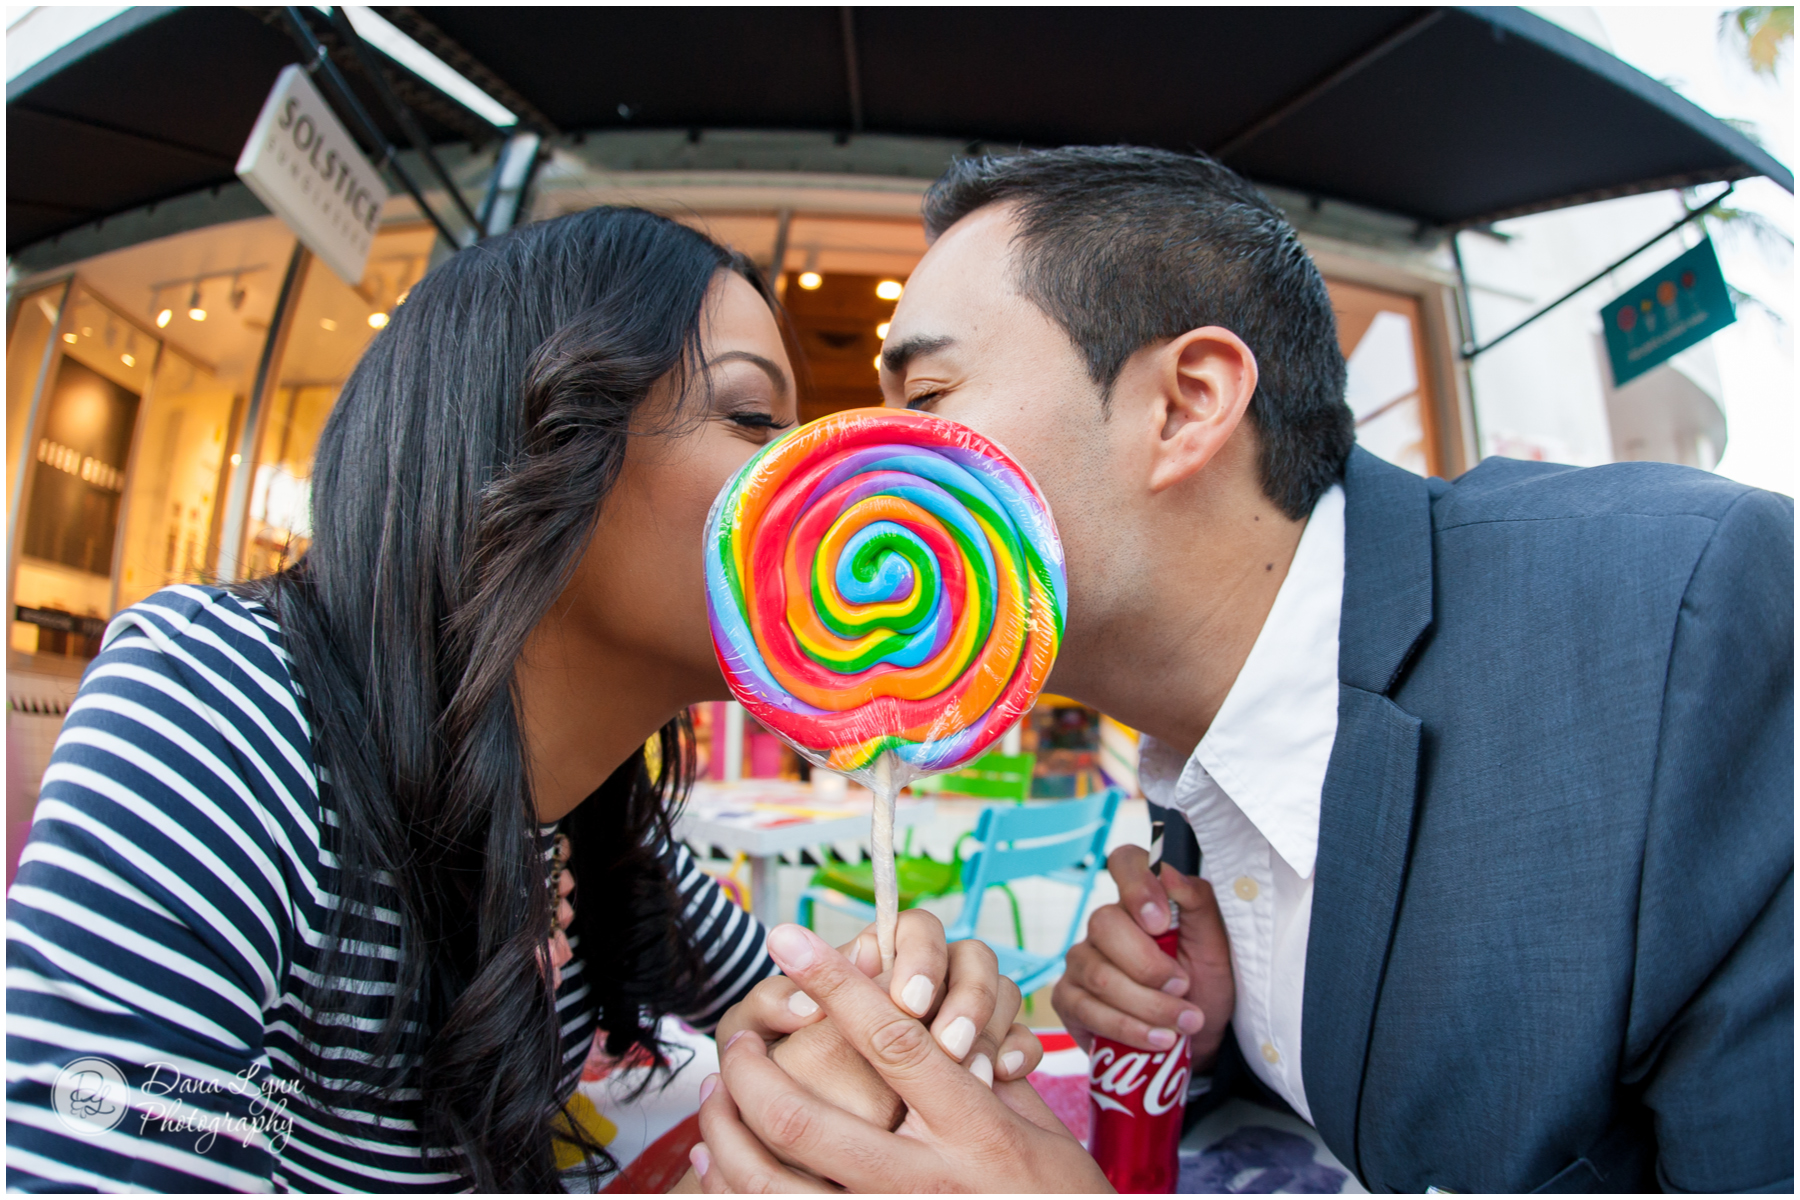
(1245, 887)
(1270, 1054)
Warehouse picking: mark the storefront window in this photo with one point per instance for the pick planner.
(76, 475)
(33, 323)
(171, 521)
(840, 320)
(148, 377)
(331, 325)
(1382, 340)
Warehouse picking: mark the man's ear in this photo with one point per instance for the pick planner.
(1203, 382)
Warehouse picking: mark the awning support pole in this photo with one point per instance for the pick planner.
(340, 20)
(852, 73)
(778, 258)
(316, 56)
(1465, 334)
(1693, 215)
(509, 181)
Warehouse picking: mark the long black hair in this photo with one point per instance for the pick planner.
(456, 485)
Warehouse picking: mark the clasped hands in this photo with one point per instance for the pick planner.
(876, 1099)
(915, 1083)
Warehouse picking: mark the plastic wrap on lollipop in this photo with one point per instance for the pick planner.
(885, 580)
(887, 593)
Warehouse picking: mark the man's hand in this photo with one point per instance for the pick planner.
(1120, 985)
(963, 1131)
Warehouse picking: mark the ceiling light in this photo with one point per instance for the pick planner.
(878, 362)
(128, 360)
(881, 329)
(889, 289)
(810, 280)
(328, 325)
(195, 312)
(164, 317)
(70, 338)
(378, 320)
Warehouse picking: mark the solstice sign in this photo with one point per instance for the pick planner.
(1684, 303)
(301, 162)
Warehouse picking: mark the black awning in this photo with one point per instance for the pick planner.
(1448, 116)
(158, 104)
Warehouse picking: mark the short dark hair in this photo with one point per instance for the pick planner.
(1124, 246)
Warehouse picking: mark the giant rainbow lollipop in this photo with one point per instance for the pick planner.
(887, 593)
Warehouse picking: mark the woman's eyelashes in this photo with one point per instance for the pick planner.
(923, 400)
(755, 422)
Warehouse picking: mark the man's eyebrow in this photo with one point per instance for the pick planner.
(776, 375)
(895, 357)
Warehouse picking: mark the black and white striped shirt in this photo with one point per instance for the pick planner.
(167, 919)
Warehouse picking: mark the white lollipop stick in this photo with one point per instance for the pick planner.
(881, 839)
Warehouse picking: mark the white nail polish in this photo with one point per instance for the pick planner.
(802, 1005)
(1011, 1061)
(982, 1069)
(855, 949)
(958, 1036)
(916, 995)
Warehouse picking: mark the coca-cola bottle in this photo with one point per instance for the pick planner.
(1139, 1095)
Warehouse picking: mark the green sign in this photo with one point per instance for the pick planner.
(1684, 303)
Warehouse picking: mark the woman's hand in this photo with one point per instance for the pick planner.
(963, 1131)
(958, 988)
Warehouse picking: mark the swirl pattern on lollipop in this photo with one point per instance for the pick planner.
(885, 580)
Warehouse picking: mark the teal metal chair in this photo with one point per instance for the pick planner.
(849, 887)
(1064, 840)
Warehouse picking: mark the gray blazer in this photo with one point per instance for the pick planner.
(1553, 919)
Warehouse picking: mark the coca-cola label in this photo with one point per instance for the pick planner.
(1115, 1075)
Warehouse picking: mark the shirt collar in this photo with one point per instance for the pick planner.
(1270, 745)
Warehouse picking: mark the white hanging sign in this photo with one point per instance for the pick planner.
(302, 163)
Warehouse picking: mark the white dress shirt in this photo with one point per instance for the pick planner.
(1250, 790)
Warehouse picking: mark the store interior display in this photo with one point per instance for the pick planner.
(1065, 737)
(80, 457)
(81, 451)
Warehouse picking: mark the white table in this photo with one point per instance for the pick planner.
(763, 817)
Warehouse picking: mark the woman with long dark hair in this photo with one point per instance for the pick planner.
(294, 912)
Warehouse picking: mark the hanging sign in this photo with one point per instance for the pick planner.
(302, 163)
(1684, 303)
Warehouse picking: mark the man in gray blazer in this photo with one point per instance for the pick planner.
(1550, 938)
(1492, 780)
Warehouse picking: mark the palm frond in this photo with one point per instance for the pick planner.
(1761, 33)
